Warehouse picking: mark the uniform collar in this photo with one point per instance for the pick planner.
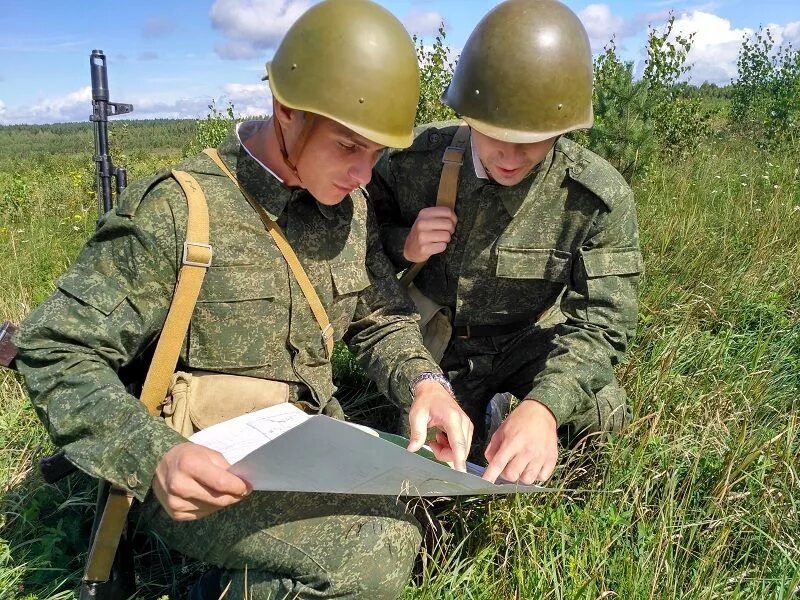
(260, 181)
(513, 197)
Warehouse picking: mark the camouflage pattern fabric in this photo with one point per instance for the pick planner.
(565, 235)
(251, 317)
(299, 546)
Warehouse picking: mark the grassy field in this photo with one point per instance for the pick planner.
(698, 498)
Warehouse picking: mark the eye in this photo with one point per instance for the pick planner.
(347, 147)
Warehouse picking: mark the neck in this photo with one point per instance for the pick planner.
(264, 146)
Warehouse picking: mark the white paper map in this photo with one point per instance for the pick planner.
(283, 449)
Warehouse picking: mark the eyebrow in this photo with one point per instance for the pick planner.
(353, 137)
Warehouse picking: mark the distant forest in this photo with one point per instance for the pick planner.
(21, 141)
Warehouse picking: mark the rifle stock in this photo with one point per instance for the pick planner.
(7, 348)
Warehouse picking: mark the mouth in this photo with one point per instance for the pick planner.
(344, 189)
(507, 172)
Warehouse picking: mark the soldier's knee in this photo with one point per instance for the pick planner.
(609, 413)
(383, 570)
(612, 408)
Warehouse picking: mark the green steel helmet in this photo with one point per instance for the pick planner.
(351, 61)
(525, 74)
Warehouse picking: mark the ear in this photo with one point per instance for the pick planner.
(286, 116)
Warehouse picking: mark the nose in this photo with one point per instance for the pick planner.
(509, 154)
(361, 172)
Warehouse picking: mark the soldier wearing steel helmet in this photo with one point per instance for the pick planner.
(538, 265)
(345, 85)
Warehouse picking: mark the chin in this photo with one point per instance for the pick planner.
(332, 198)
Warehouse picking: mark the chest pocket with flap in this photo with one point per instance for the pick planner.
(533, 263)
(349, 279)
(240, 318)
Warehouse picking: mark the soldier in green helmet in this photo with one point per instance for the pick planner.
(345, 85)
(536, 268)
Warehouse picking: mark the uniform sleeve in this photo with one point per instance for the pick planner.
(107, 308)
(384, 335)
(600, 306)
(393, 229)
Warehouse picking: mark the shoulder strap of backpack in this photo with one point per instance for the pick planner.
(197, 253)
(452, 159)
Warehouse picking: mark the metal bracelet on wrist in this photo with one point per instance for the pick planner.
(437, 377)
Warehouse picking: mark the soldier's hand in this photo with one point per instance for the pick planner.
(525, 446)
(192, 481)
(434, 406)
(430, 233)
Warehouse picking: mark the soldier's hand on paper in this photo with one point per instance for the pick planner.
(430, 233)
(525, 446)
(193, 481)
(434, 406)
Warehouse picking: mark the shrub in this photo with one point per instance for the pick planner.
(766, 96)
(212, 130)
(435, 71)
(622, 133)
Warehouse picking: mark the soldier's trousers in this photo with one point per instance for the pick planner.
(478, 368)
(296, 545)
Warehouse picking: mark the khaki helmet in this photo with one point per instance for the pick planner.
(351, 61)
(525, 74)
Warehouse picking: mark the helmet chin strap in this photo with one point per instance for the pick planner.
(291, 159)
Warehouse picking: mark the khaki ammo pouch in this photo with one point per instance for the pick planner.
(434, 323)
(201, 399)
(435, 320)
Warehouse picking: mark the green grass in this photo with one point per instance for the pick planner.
(698, 498)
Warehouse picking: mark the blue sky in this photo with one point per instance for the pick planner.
(170, 59)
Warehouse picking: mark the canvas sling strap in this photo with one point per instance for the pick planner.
(197, 253)
(452, 160)
(288, 253)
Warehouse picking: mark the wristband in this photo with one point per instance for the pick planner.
(437, 377)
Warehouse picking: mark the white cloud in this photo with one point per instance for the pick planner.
(74, 106)
(248, 101)
(785, 34)
(792, 32)
(423, 23)
(246, 90)
(601, 24)
(253, 26)
(715, 47)
(169, 107)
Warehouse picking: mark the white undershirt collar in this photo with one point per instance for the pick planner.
(248, 124)
(480, 171)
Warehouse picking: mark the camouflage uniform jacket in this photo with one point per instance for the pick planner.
(251, 317)
(568, 231)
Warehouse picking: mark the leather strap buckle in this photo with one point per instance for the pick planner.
(453, 155)
(187, 248)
